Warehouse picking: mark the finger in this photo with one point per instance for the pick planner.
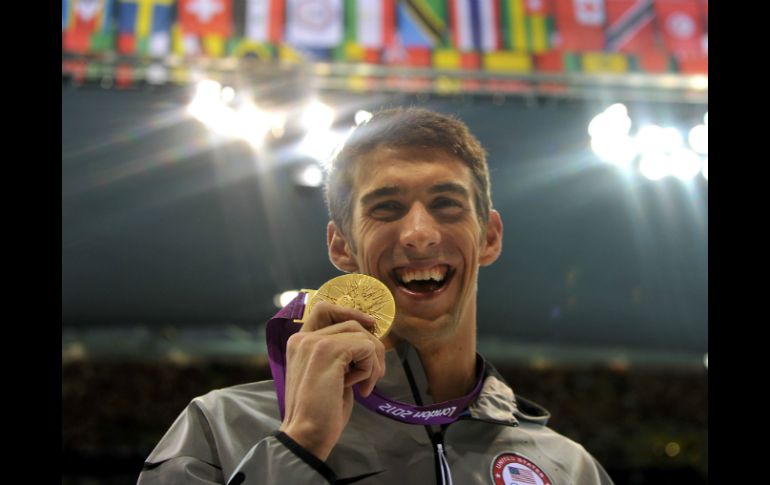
(325, 314)
(378, 370)
(363, 364)
(367, 366)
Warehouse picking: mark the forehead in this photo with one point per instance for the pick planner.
(409, 169)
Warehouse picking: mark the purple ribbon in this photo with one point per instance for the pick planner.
(282, 326)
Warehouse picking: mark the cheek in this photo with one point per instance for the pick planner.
(370, 249)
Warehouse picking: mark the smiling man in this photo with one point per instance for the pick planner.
(409, 198)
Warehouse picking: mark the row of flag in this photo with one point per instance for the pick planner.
(124, 74)
(387, 31)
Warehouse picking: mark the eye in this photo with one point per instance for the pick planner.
(388, 209)
(446, 203)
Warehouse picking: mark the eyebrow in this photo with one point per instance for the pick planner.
(449, 187)
(381, 192)
(390, 190)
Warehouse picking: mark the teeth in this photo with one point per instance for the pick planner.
(437, 273)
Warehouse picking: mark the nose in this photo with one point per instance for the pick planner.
(419, 230)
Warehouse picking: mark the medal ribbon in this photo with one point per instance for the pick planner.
(282, 326)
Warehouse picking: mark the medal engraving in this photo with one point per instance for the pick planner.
(361, 292)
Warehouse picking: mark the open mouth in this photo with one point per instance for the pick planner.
(423, 280)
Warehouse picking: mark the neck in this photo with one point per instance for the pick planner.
(450, 366)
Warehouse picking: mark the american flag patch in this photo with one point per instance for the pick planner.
(509, 468)
(521, 475)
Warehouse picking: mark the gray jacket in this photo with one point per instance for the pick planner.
(229, 436)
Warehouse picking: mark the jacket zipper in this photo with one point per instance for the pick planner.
(443, 472)
(446, 473)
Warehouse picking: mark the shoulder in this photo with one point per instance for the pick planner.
(252, 398)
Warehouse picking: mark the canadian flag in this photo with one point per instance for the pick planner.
(206, 17)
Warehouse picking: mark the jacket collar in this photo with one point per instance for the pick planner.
(405, 381)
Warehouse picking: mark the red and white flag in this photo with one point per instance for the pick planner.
(375, 23)
(580, 24)
(206, 17)
(681, 24)
(264, 20)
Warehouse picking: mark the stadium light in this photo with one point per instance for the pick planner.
(671, 139)
(654, 166)
(317, 116)
(228, 94)
(208, 91)
(684, 164)
(320, 144)
(699, 139)
(620, 151)
(282, 299)
(613, 121)
(253, 124)
(362, 117)
(309, 175)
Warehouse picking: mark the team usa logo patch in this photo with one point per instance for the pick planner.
(514, 469)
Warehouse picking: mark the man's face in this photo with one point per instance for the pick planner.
(416, 229)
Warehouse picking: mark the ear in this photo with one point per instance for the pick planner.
(340, 254)
(493, 239)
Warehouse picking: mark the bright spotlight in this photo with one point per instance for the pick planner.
(320, 144)
(221, 119)
(620, 151)
(283, 299)
(654, 166)
(208, 91)
(617, 110)
(318, 116)
(611, 122)
(254, 124)
(699, 139)
(597, 124)
(228, 94)
(671, 139)
(362, 117)
(684, 164)
(649, 138)
(310, 176)
(208, 109)
(278, 126)
(705, 170)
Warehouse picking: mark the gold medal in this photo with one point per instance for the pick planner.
(361, 292)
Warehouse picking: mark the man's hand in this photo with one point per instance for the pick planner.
(333, 351)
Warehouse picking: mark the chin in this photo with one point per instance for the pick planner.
(416, 330)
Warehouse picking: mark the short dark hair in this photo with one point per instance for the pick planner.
(405, 128)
